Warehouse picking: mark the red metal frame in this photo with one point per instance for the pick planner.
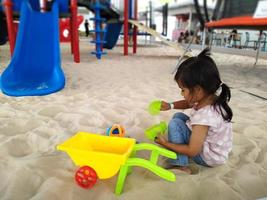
(135, 27)
(125, 28)
(74, 31)
(10, 24)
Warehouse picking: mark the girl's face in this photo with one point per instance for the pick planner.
(185, 92)
(193, 96)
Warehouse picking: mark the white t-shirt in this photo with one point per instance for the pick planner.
(218, 142)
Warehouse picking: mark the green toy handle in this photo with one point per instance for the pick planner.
(150, 164)
(155, 130)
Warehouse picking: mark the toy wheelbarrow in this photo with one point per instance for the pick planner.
(102, 157)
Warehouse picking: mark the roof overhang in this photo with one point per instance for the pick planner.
(242, 22)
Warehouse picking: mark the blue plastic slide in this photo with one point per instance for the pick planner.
(35, 68)
(112, 34)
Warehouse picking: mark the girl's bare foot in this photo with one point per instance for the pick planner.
(182, 168)
(185, 169)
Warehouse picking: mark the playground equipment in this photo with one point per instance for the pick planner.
(152, 132)
(35, 68)
(116, 21)
(10, 6)
(174, 45)
(115, 13)
(105, 156)
(99, 32)
(112, 33)
(65, 28)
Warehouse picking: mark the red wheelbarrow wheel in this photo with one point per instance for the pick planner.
(86, 177)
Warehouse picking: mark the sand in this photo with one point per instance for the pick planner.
(118, 89)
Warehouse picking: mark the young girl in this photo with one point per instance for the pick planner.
(206, 134)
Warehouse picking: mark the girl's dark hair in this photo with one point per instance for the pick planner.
(202, 71)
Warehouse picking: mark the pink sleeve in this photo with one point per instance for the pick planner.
(205, 117)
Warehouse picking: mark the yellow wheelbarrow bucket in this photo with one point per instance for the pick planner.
(103, 153)
(103, 156)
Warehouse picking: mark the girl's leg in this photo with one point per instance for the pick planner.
(179, 133)
(181, 116)
(199, 160)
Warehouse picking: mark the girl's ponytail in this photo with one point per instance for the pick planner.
(222, 101)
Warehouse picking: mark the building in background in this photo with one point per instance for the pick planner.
(183, 14)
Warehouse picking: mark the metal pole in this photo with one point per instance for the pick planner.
(150, 14)
(187, 49)
(135, 27)
(146, 24)
(126, 31)
(203, 39)
(10, 24)
(259, 47)
(150, 19)
(74, 31)
(190, 20)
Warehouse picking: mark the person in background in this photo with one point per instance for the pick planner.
(181, 37)
(186, 36)
(86, 26)
(233, 36)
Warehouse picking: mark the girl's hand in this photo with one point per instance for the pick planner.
(160, 140)
(165, 106)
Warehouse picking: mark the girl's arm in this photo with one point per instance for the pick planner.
(182, 104)
(199, 133)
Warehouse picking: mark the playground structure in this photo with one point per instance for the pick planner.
(35, 67)
(99, 32)
(105, 10)
(115, 14)
(103, 157)
(11, 6)
(64, 26)
(156, 34)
